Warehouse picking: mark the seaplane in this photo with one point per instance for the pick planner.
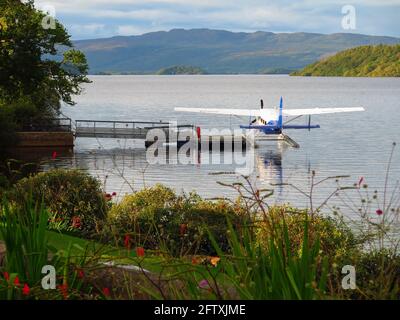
(270, 122)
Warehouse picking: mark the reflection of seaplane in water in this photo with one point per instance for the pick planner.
(269, 165)
(270, 122)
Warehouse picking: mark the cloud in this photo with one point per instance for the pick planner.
(132, 30)
(103, 17)
(91, 27)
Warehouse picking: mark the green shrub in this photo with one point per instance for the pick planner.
(73, 198)
(336, 239)
(377, 276)
(159, 219)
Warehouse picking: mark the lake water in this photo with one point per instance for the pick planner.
(356, 144)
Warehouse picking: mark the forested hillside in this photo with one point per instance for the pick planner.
(365, 61)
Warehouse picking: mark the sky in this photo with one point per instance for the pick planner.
(88, 19)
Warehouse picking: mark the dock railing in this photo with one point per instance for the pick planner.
(121, 129)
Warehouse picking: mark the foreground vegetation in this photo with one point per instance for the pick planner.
(156, 244)
(364, 61)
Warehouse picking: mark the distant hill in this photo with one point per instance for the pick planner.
(181, 70)
(216, 51)
(365, 61)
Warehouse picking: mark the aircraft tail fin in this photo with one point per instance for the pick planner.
(280, 118)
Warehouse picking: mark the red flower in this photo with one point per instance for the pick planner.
(114, 194)
(76, 222)
(54, 155)
(379, 212)
(16, 281)
(182, 229)
(64, 290)
(26, 290)
(140, 251)
(6, 276)
(127, 241)
(106, 292)
(81, 274)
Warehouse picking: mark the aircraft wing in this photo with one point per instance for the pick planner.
(312, 111)
(233, 112)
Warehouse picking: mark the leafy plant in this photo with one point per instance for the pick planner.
(336, 238)
(73, 197)
(159, 219)
(275, 272)
(23, 230)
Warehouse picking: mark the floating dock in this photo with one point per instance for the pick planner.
(61, 133)
(117, 129)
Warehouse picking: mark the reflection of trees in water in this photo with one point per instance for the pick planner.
(18, 163)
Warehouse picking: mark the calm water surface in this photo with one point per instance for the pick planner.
(356, 144)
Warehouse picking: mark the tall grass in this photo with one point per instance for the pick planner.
(23, 229)
(274, 272)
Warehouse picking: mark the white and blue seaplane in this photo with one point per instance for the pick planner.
(270, 122)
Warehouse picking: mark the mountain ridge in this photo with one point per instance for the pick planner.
(217, 51)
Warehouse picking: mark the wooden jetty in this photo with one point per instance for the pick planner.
(61, 133)
(117, 129)
(140, 129)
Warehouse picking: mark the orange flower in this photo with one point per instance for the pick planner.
(140, 251)
(214, 261)
(26, 290)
